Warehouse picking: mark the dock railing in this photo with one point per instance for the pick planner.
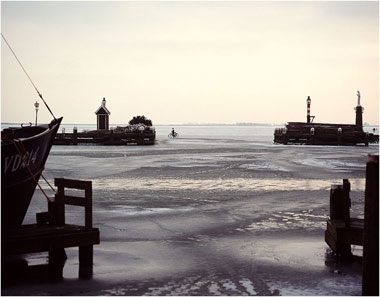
(58, 206)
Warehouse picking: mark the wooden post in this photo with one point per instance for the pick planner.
(112, 137)
(86, 261)
(58, 206)
(88, 207)
(75, 135)
(370, 284)
(340, 213)
(340, 202)
(57, 259)
(346, 201)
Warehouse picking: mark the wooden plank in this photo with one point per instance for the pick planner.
(71, 183)
(351, 236)
(33, 231)
(346, 234)
(356, 223)
(48, 241)
(331, 228)
(77, 201)
(331, 241)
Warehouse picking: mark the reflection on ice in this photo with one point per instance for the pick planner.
(248, 285)
(135, 210)
(334, 287)
(289, 220)
(264, 166)
(341, 165)
(230, 184)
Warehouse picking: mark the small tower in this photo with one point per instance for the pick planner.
(359, 115)
(102, 116)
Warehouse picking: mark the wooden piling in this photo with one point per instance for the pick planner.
(370, 284)
(340, 214)
(57, 259)
(86, 261)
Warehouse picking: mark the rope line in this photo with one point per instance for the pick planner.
(39, 94)
(18, 142)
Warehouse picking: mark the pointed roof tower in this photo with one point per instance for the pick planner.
(102, 116)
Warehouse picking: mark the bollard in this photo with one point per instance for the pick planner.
(370, 283)
(75, 135)
(340, 203)
(112, 137)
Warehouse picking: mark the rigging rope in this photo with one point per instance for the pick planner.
(39, 94)
(21, 151)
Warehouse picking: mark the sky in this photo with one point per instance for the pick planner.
(191, 62)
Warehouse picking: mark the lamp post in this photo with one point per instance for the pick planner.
(36, 105)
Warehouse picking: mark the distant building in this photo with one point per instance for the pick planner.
(102, 116)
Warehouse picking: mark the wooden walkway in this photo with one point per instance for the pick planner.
(53, 235)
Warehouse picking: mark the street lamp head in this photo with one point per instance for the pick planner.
(36, 105)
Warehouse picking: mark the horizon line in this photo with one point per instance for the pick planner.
(191, 124)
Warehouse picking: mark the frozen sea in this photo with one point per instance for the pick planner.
(221, 210)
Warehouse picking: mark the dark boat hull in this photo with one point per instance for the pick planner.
(20, 173)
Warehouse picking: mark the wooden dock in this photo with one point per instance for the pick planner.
(104, 137)
(51, 234)
(343, 231)
(323, 134)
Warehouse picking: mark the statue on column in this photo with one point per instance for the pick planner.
(358, 94)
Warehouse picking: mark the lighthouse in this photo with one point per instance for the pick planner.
(308, 102)
(359, 114)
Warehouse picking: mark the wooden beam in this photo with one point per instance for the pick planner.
(72, 183)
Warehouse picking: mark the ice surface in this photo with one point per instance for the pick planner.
(218, 211)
